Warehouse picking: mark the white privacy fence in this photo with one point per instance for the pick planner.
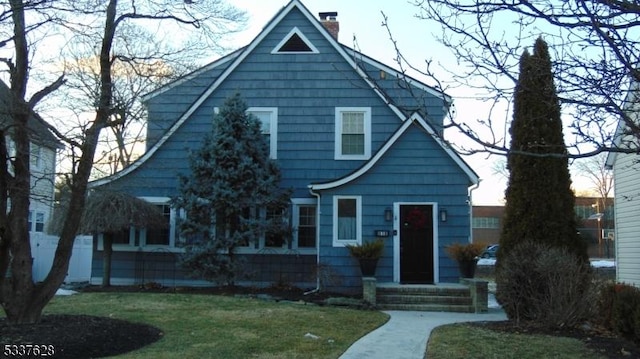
(43, 249)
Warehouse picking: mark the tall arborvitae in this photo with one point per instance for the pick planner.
(539, 200)
(226, 198)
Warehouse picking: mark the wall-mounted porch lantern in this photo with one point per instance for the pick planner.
(443, 215)
(388, 214)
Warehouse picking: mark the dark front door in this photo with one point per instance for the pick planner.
(416, 244)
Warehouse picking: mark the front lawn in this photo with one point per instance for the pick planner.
(464, 341)
(208, 326)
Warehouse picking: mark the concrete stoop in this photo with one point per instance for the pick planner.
(469, 296)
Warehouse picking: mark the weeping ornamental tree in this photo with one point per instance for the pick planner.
(232, 196)
(539, 208)
(124, 211)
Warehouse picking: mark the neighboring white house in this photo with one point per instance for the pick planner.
(43, 147)
(626, 173)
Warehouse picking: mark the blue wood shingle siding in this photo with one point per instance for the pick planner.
(306, 93)
(162, 267)
(414, 170)
(306, 89)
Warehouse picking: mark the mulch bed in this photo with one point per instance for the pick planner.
(83, 336)
(75, 337)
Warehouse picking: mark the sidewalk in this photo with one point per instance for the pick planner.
(406, 333)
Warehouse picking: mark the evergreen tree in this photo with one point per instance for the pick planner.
(539, 200)
(539, 229)
(230, 196)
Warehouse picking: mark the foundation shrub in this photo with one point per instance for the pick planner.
(619, 308)
(546, 285)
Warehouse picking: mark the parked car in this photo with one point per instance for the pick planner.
(491, 251)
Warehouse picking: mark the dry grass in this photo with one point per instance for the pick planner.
(208, 326)
(462, 341)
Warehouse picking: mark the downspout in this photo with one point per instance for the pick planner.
(317, 195)
(470, 201)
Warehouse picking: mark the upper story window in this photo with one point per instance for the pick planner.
(347, 220)
(353, 133)
(35, 153)
(35, 158)
(268, 116)
(295, 43)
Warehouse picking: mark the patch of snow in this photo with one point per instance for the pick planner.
(603, 263)
(65, 292)
(599, 263)
(492, 303)
(487, 262)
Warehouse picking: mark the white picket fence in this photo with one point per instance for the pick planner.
(43, 249)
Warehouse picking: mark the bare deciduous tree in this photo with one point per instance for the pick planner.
(595, 50)
(21, 298)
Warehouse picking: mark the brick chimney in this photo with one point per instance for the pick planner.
(330, 23)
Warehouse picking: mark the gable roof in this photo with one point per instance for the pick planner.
(39, 131)
(238, 57)
(418, 121)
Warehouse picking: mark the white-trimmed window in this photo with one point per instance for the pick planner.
(268, 116)
(36, 221)
(353, 133)
(149, 238)
(305, 227)
(272, 239)
(35, 158)
(347, 220)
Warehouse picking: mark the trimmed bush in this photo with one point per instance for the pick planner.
(547, 285)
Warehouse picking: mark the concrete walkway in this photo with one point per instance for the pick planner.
(406, 333)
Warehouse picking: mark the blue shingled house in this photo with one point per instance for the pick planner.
(359, 143)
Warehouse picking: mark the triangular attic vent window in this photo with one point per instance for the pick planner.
(294, 43)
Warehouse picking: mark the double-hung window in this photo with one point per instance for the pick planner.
(353, 133)
(36, 221)
(268, 117)
(35, 155)
(347, 220)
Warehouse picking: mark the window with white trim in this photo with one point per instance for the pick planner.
(35, 155)
(347, 220)
(305, 219)
(274, 237)
(160, 236)
(268, 117)
(36, 221)
(353, 133)
(151, 238)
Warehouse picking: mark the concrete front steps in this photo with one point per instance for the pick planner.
(425, 298)
(469, 296)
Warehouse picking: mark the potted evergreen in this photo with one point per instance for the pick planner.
(467, 256)
(367, 255)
